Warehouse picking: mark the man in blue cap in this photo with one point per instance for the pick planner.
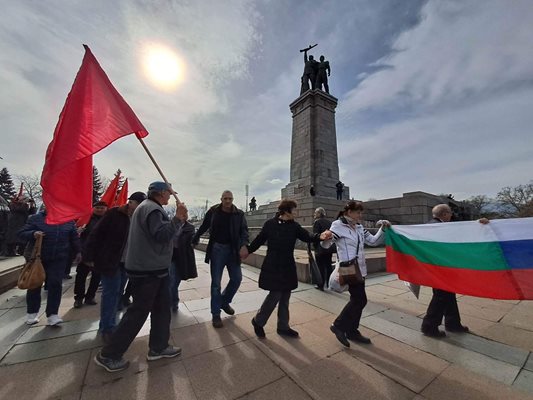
(148, 257)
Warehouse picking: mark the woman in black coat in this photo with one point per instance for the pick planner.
(278, 272)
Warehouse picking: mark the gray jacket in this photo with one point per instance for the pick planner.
(149, 249)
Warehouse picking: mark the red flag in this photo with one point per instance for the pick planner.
(122, 197)
(108, 197)
(19, 196)
(93, 117)
(110, 193)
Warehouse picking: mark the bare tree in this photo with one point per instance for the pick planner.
(478, 205)
(197, 212)
(516, 199)
(32, 187)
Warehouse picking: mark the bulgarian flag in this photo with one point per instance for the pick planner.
(493, 260)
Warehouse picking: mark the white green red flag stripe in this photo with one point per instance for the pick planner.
(493, 260)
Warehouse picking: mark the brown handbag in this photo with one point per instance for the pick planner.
(32, 275)
(350, 274)
(349, 271)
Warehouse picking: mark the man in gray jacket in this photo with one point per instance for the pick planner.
(148, 257)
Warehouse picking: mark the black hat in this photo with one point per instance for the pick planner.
(139, 197)
(100, 204)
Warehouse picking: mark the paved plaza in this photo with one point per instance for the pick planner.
(493, 362)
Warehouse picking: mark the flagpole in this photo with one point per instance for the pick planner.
(157, 166)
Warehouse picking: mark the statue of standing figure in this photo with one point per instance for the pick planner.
(315, 73)
(310, 70)
(322, 76)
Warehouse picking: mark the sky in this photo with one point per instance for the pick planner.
(433, 96)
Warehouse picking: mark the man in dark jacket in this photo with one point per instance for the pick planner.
(83, 270)
(323, 256)
(59, 241)
(443, 303)
(228, 237)
(104, 252)
(148, 255)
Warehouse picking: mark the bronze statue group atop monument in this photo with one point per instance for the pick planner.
(315, 72)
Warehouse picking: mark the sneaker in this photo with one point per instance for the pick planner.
(228, 309)
(259, 331)
(288, 332)
(341, 336)
(90, 302)
(169, 352)
(54, 320)
(357, 337)
(458, 329)
(78, 303)
(109, 364)
(217, 321)
(31, 319)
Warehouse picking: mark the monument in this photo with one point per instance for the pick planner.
(314, 169)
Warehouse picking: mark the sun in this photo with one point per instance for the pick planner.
(162, 66)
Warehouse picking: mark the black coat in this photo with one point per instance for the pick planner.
(278, 272)
(183, 254)
(106, 241)
(238, 231)
(320, 225)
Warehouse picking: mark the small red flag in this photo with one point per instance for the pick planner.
(110, 193)
(122, 197)
(93, 117)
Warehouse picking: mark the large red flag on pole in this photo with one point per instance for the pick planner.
(93, 117)
(122, 197)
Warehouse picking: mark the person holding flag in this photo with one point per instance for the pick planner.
(148, 257)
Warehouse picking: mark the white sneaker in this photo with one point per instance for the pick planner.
(31, 319)
(54, 320)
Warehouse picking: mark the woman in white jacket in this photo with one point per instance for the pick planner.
(350, 238)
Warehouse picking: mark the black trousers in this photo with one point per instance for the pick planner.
(324, 265)
(443, 304)
(150, 296)
(348, 319)
(82, 271)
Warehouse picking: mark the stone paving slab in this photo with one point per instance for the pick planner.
(170, 382)
(284, 388)
(345, 376)
(457, 383)
(511, 335)
(25, 352)
(524, 381)
(468, 359)
(529, 362)
(404, 364)
(49, 378)
(498, 351)
(230, 372)
(40, 332)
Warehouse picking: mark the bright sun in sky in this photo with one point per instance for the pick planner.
(162, 66)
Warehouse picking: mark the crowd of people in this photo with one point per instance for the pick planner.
(139, 250)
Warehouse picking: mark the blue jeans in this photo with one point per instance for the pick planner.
(55, 270)
(221, 256)
(112, 287)
(175, 281)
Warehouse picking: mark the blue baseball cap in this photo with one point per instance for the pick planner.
(159, 186)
